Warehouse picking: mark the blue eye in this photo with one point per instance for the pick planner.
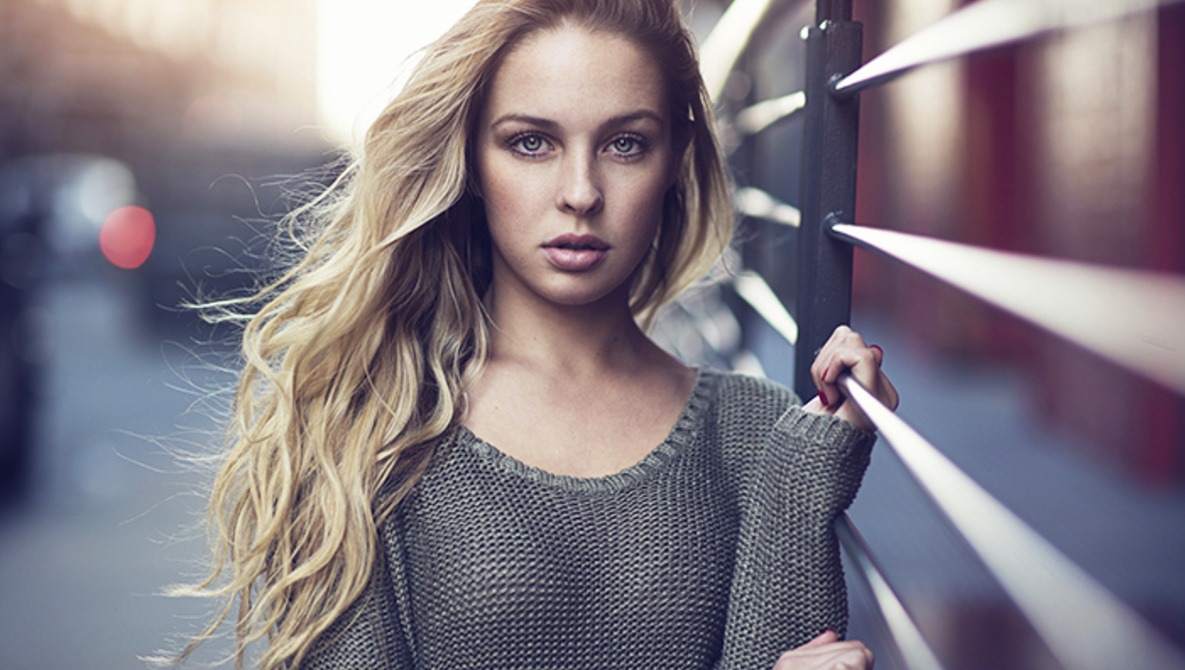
(627, 146)
(528, 144)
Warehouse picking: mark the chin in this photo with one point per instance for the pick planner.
(586, 296)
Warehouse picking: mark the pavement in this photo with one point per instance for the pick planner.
(111, 520)
(112, 517)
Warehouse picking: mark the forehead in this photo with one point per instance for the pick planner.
(572, 72)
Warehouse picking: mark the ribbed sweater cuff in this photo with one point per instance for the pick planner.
(822, 430)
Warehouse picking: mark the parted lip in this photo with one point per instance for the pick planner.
(574, 241)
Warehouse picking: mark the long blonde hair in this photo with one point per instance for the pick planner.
(355, 365)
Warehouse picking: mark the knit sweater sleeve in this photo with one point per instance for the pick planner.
(788, 583)
(368, 635)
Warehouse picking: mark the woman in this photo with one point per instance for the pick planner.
(444, 448)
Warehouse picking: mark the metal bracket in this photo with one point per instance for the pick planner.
(828, 188)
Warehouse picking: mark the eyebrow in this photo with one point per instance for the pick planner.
(548, 124)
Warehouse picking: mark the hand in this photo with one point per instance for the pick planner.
(827, 652)
(846, 350)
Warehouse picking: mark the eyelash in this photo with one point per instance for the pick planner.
(640, 145)
(515, 144)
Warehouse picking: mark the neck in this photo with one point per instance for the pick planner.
(572, 339)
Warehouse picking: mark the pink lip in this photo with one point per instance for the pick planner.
(576, 253)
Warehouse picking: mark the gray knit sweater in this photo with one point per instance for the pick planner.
(715, 551)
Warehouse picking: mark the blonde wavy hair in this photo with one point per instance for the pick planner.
(356, 363)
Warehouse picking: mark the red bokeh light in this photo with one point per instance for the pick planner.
(127, 236)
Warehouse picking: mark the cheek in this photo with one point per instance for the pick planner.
(506, 191)
(657, 185)
(647, 200)
(508, 211)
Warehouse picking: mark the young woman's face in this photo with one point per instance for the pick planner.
(574, 155)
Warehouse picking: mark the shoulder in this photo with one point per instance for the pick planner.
(742, 410)
(750, 386)
(743, 397)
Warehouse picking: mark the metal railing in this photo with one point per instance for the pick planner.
(1130, 318)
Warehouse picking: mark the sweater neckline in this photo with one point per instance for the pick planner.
(681, 435)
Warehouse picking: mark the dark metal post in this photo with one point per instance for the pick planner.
(828, 193)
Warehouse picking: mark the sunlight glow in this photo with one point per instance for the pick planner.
(365, 48)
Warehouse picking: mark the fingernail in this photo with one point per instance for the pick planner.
(878, 349)
(823, 398)
(827, 373)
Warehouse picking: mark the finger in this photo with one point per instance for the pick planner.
(867, 358)
(828, 392)
(860, 362)
(890, 396)
(880, 386)
(851, 654)
(886, 392)
(829, 364)
(820, 369)
(826, 637)
(823, 355)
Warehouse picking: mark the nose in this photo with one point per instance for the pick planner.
(580, 192)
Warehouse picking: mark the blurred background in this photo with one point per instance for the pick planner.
(147, 147)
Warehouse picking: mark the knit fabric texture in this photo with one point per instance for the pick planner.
(715, 551)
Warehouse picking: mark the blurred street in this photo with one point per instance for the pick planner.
(85, 559)
(108, 522)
